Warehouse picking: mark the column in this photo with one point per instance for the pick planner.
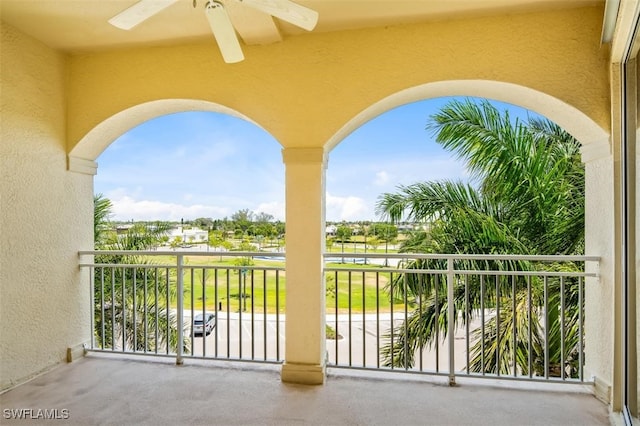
(305, 352)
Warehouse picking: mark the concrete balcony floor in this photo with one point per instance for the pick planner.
(104, 389)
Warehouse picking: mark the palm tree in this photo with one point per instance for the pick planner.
(131, 308)
(101, 212)
(526, 197)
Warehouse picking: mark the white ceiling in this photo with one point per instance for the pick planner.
(81, 25)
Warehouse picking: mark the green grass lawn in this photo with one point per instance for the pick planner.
(225, 285)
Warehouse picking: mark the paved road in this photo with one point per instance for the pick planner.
(259, 339)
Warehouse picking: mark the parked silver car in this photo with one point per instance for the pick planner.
(204, 324)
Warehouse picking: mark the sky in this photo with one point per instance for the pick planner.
(203, 164)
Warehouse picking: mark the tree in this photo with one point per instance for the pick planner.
(176, 242)
(387, 233)
(343, 233)
(528, 198)
(365, 233)
(216, 238)
(373, 243)
(263, 218)
(329, 242)
(203, 222)
(129, 315)
(384, 231)
(242, 220)
(101, 211)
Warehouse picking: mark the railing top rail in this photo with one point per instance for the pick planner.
(545, 258)
(466, 272)
(173, 265)
(180, 253)
(443, 256)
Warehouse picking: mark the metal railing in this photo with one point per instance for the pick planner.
(507, 317)
(154, 303)
(511, 317)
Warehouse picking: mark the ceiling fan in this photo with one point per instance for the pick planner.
(221, 25)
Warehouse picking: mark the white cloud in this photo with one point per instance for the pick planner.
(274, 208)
(347, 208)
(127, 208)
(382, 178)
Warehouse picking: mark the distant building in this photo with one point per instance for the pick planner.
(189, 235)
(331, 230)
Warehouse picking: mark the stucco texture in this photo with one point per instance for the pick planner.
(45, 215)
(304, 90)
(599, 293)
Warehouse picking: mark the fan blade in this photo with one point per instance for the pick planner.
(139, 12)
(287, 10)
(224, 33)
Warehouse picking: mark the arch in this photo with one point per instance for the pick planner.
(102, 135)
(594, 139)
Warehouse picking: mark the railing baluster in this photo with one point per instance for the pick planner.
(253, 354)
(529, 315)
(451, 320)
(157, 314)
(514, 315)
(546, 328)
(467, 314)
(180, 318)
(391, 316)
(562, 324)
(113, 307)
(498, 325)
(192, 309)
(420, 303)
(482, 322)
(364, 325)
(337, 292)
(228, 313)
(264, 314)
(168, 312)
(349, 316)
(242, 283)
(135, 324)
(277, 315)
(405, 301)
(378, 319)
(436, 322)
(580, 331)
(102, 319)
(124, 310)
(218, 309)
(146, 315)
(92, 306)
(204, 311)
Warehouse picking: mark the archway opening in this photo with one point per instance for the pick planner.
(414, 292)
(190, 200)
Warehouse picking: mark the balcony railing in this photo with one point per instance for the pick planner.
(516, 317)
(507, 317)
(187, 304)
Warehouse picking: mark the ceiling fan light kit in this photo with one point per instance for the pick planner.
(221, 26)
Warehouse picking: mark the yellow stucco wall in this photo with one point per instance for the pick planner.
(305, 89)
(45, 215)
